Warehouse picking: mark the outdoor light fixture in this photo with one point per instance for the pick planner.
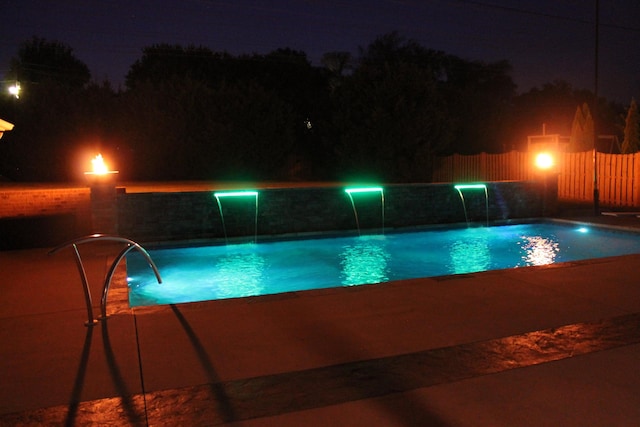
(544, 161)
(5, 127)
(14, 90)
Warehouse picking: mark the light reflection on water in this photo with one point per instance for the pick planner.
(238, 275)
(215, 272)
(539, 250)
(364, 262)
(470, 254)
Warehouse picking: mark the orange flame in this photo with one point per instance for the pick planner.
(99, 166)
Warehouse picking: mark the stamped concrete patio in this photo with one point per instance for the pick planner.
(538, 346)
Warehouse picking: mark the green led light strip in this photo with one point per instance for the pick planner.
(470, 186)
(363, 190)
(353, 190)
(236, 194)
(460, 187)
(243, 193)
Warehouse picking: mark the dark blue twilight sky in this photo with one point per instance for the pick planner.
(544, 40)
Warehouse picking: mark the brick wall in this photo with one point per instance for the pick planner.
(39, 202)
(43, 216)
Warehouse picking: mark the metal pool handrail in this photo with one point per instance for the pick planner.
(107, 281)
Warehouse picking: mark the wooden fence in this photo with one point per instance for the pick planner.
(618, 175)
(619, 179)
(511, 166)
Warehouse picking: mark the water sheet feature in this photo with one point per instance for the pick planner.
(366, 190)
(461, 187)
(235, 194)
(240, 270)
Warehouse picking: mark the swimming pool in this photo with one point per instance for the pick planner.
(241, 270)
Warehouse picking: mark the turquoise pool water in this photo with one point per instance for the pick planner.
(232, 271)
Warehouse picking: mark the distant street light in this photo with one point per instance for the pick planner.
(14, 90)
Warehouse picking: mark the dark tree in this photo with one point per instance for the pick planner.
(217, 116)
(191, 113)
(165, 62)
(57, 113)
(40, 61)
(554, 107)
(479, 97)
(631, 141)
(389, 115)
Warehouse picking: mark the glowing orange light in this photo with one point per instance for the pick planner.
(544, 161)
(99, 166)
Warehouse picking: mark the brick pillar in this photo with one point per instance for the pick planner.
(104, 206)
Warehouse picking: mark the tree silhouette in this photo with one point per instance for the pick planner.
(54, 115)
(216, 116)
(479, 97)
(631, 141)
(191, 113)
(582, 131)
(389, 115)
(42, 61)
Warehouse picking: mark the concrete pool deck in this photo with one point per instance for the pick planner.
(553, 345)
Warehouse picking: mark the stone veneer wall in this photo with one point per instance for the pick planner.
(160, 217)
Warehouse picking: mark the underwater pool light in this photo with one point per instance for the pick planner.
(582, 230)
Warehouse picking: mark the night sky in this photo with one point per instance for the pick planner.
(544, 40)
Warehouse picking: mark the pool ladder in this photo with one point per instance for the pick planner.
(130, 244)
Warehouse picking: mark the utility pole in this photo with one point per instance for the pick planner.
(596, 191)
